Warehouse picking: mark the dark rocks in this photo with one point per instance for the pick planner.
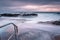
(51, 22)
(9, 15)
(29, 15)
(15, 15)
(56, 22)
(57, 37)
(58, 12)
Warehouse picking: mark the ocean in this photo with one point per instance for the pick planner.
(28, 27)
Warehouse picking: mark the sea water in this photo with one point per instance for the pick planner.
(28, 29)
(40, 17)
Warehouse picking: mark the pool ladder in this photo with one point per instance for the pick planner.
(15, 31)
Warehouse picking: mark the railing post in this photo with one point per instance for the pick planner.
(0, 37)
(15, 30)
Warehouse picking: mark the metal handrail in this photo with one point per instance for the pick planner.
(15, 29)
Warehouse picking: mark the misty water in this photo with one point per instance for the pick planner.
(28, 27)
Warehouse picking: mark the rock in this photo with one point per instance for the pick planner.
(56, 22)
(29, 15)
(10, 15)
(57, 37)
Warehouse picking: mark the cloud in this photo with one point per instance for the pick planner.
(6, 3)
(50, 8)
(36, 5)
(40, 1)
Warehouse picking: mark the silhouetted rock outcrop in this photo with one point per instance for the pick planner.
(29, 15)
(58, 12)
(56, 22)
(57, 37)
(10, 15)
(51, 22)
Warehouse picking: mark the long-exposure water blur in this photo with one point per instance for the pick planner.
(40, 27)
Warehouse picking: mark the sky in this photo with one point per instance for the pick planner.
(30, 5)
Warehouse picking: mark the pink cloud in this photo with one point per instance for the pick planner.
(50, 8)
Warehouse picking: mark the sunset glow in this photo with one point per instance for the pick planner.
(30, 5)
(49, 8)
